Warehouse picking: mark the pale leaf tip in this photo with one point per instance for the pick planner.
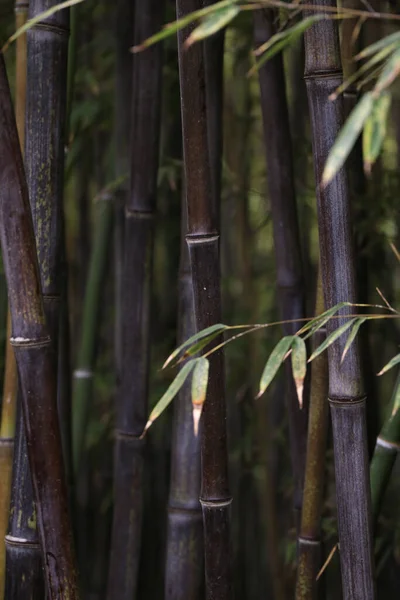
(197, 410)
(147, 427)
(300, 390)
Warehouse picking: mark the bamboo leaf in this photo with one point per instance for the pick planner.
(375, 131)
(389, 73)
(318, 322)
(347, 137)
(299, 366)
(332, 338)
(212, 23)
(352, 335)
(205, 333)
(379, 45)
(275, 360)
(392, 363)
(200, 345)
(37, 18)
(171, 392)
(179, 24)
(199, 390)
(279, 41)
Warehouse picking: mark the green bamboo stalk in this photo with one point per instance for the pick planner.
(386, 450)
(323, 75)
(35, 360)
(83, 374)
(309, 539)
(203, 243)
(9, 404)
(131, 410)
(282, 197)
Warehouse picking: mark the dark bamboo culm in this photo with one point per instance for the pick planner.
(132, 407)
(282, 197)
(47, 45)
(184, 571)
(350, 46)
(309, 539)
(35, 360)
(8, 413)
(203, 243)
(323, 74)
(123, 92)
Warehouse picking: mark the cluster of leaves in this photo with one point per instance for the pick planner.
(292, 345)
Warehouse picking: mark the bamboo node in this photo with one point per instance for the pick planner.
(22, 342)
(392, 446)
(10, 539)
(216, 503)
(83, 374)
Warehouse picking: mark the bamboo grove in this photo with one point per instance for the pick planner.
(199, 207)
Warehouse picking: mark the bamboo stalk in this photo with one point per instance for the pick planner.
(384, 457)
(323, 74)
(131, 412)
(309, 542)
(282, 197)
(184, 571)
(8, 413)
(35, 360)
(83, 374)
(203, 243)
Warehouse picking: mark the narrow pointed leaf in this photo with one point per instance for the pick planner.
(389, 73)
(322, 319)
(213, 23)
(281, 40)
(379, 45)
(200, 345)
(299, 366)
(179, 24)
(347, 138)
(37, 18)
(352, 335)
(199, 390)
(209, 332)
(171, 392)
(275, 360)
(332, 338)
(375, 131)
(392, 363)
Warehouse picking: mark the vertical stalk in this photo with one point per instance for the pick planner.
(282, 197)
(83, 374)
(9, 404)
(309, 542)
(184, 572)
(323, 74)
(35, 360)
(131, 413)
(203, 243)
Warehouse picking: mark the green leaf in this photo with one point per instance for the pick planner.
(347, 137)
(352, 335)
(179, 24)
(212, 23)
(332, 338)
(199, 390)
(392, 363)
(37, 18)
(299, 366)
(171, 392)
(274, 362)
(379, 45)
(279, 41)
(389, 73)
(319, 321)
(375, 131)
(209, 332)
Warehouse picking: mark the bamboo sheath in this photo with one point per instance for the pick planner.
(8, 413)
(309, 539)
(346, 394)
(35, 360)
(203, 244)
(131, 413)
(290, 279)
